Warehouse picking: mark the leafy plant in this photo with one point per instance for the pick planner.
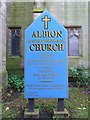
(80, 75)
(16, 82)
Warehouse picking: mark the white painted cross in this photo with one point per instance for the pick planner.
(46, 20)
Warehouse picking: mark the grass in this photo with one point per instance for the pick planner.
(0, 102)
(77, 104)
(0, 111)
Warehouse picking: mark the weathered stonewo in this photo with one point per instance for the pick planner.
(2, 38)
(63, 114)
(69, 13)
(2, 49)
(34, 114)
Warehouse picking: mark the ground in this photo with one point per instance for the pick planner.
(14, 104)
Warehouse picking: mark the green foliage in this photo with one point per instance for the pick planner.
(16, 82)
(80, 75)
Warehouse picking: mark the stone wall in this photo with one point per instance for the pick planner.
(20, 14)
(67, 13)
(3, 28)
(2, 48)
(73, 14)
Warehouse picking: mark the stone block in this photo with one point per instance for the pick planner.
(34, 114)
(61, 114)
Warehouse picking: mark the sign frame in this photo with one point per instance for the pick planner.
(46, 59)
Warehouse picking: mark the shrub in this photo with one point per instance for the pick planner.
(16, 82)
(80, 75)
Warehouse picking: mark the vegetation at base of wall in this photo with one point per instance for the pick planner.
(80, 75)
(16, 82)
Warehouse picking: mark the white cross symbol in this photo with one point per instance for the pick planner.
(46, 20)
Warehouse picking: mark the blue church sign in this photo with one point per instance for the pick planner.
(46, 53)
